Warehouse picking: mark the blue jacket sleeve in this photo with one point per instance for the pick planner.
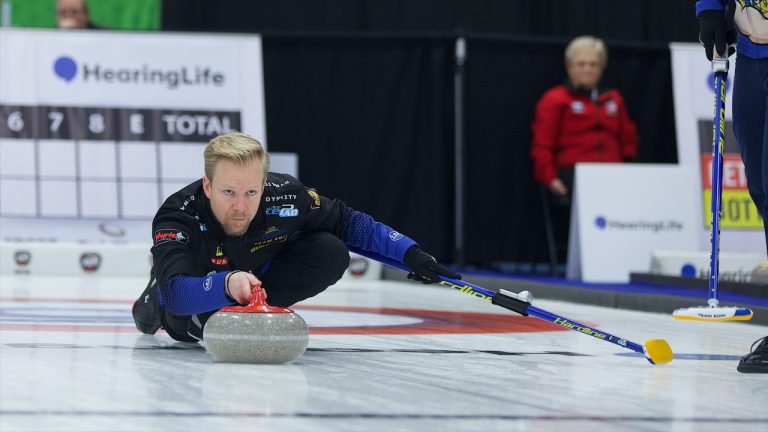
(703, 5)
(363, 232)
(190, 295)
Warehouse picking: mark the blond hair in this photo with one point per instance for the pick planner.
(237, 147)
(587, 43)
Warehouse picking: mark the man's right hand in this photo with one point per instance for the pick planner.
(238, 286)
(557, 187)
(713, 34)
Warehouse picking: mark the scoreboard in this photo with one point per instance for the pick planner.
(98, 162)
(98, 128)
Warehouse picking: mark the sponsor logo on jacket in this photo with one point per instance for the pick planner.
(219, 259)
(286, 210)
(280, 197)
(272, 232)
(276, 185)
(315, 199)
(186, 202)
(170, 235)
(268, 242)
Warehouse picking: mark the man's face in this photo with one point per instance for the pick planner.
(235, 192)
(71, 14)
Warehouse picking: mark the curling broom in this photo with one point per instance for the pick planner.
(715, 312)
(656, 351)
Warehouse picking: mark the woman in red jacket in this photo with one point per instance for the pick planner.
(579, 121)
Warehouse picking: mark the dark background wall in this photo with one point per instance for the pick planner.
(363, 91)
(646, 20)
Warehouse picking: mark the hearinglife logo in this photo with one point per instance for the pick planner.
(67, 69)
(604, 223)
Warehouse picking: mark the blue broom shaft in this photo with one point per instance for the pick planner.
(583, 328)
(718, 141)
(486, 294)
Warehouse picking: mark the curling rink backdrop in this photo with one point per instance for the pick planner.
(92, 139)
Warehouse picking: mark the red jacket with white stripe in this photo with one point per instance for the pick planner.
(572, 125)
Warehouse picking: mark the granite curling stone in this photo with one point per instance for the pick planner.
(256, 333)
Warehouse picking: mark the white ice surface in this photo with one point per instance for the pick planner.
(71, 360)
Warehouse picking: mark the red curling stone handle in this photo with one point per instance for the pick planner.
(258, 304)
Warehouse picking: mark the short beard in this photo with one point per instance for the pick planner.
(235, 234)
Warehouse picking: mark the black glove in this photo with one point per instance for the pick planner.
(424, 267)
(713, 33)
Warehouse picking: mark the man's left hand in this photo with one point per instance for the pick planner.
(424, 267)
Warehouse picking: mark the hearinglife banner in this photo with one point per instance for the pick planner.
(97, 128)
(622, 213)
(741, 225)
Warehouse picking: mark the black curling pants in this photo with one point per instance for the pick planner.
(304, 268)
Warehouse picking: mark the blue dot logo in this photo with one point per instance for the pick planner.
(65, 68)
(601, 222)
(688, 270)
(711, 83)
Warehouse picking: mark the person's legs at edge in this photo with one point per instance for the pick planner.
(750, 109)
(750, 124)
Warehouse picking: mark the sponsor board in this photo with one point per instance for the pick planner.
(622, 213)
(75, 259)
